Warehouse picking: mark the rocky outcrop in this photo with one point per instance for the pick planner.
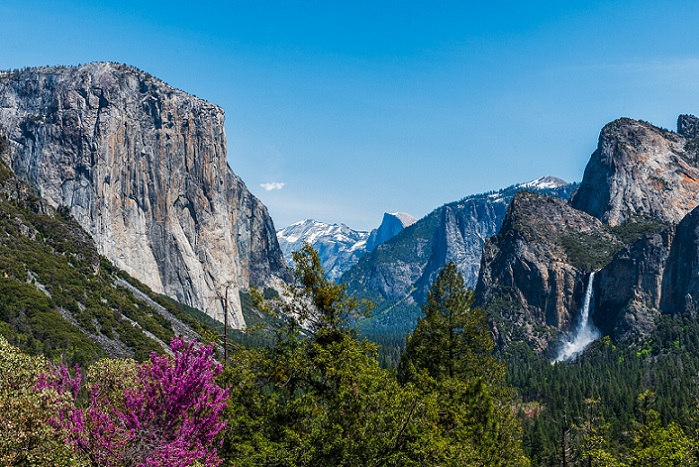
(688, 126)
(338, 246)
(538, 265)
(142, 167)
(640, 182)
(640, 171)
(392, 224)
(462, 231)
(628, 291)
(657, 274)
(680, 285)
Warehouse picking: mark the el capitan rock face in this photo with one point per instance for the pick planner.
(641, 171)
(142, 167)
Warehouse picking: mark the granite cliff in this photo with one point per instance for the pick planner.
(392, 224)
(534, 271)
(657, 274)
(641, 171)
(142, 168)
(631, 219)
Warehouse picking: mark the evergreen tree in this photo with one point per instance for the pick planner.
(452, 339)
(449, 355)
(319, 397)
(655, 445)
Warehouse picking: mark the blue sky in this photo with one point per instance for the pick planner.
(340, 111)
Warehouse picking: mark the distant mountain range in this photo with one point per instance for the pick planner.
(397, 274)
(338, 246)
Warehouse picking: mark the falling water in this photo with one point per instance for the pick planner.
(585, 333)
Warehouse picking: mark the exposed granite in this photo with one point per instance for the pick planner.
(142, 167)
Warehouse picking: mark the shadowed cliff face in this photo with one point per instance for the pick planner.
(628, 290)
(142, 167)
(639, 170)
(659, 273)
(539, 264)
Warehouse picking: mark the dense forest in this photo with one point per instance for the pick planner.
(312, 392)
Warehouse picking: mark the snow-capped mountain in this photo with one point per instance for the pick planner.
(545, 183)
(339, 247)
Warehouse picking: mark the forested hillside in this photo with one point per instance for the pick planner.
(60, 298)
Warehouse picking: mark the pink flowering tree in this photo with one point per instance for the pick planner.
(166, 412)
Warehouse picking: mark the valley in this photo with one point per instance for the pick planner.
(519, 326)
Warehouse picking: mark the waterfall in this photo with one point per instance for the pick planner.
(585, 332)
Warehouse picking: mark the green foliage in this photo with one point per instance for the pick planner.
(449, 356)
(655, 445)
(666, 363)
(588, 252)
(198, 321)
(321, 305)
(636, 228)
(452, 339)
(323, 400)
(27, 438)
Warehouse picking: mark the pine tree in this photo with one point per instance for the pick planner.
(452, 339)
(449, 355)
(655, 445)
(319, 397)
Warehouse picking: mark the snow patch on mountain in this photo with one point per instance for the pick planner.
(545, 183)
(339, 247)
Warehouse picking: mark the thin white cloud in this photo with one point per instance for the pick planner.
(273, 185)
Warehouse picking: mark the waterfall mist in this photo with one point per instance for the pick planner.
(585, 332)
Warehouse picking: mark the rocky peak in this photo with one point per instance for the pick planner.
(640, 171)
(687, 126)
(392, 224)
(142, 167)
